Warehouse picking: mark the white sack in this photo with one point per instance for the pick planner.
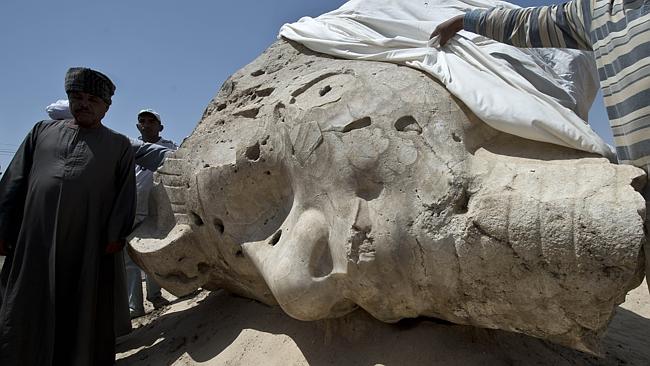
(59, 110)
(539, 94)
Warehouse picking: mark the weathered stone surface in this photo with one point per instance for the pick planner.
(324, 185)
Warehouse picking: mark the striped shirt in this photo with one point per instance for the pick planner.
(618, 31)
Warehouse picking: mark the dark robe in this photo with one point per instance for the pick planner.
(68, 192)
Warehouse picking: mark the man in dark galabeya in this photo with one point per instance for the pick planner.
(67, 202)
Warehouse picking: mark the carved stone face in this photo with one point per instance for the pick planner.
(326, 185)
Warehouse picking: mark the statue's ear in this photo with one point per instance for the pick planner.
(162, 127)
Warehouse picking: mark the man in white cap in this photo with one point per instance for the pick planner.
(150, 125)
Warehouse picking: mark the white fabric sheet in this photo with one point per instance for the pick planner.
(538, 94)
(59, 110)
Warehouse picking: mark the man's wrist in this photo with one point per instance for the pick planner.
(459, 23)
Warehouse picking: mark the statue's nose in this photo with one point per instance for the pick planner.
(298, 267)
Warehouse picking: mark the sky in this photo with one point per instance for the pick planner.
(168, 55)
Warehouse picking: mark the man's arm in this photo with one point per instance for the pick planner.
(148, 156)
(123, 211)
(562, 26)
(13, 191)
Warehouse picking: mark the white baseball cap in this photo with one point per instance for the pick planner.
(150, 111)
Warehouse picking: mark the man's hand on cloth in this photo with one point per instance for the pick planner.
(447, 29)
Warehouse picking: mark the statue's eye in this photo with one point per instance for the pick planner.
(251, 201)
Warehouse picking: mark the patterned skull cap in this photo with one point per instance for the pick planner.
(81, 79)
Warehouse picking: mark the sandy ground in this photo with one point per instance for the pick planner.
(216, 328)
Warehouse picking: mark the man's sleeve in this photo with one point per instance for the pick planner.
(562, 26)
(148, 156)
(123, 212)
(13, 189)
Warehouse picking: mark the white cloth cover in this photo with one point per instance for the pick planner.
(538, 94)
(59, 110)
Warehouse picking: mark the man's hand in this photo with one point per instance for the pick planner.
(448, 29)
(4, 248)
(114, 247)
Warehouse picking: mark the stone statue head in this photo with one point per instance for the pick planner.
(324, 185)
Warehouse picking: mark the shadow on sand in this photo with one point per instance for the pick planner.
(209, 328)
